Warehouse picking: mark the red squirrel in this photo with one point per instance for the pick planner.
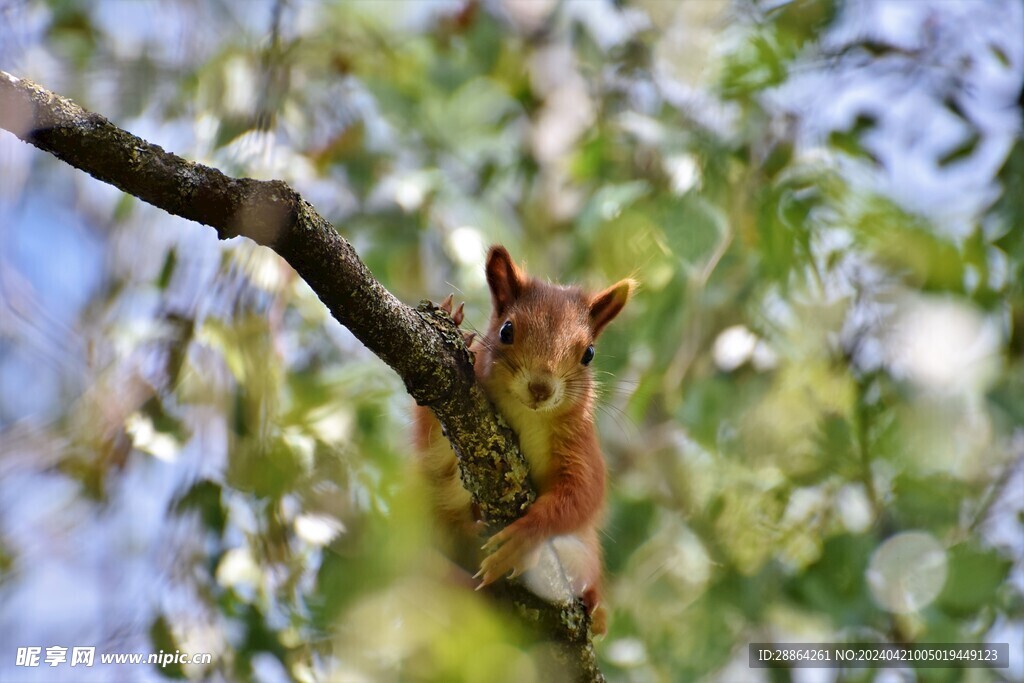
(533, 364)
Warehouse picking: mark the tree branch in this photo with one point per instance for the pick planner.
(422, 345)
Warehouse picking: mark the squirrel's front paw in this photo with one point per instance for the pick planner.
(446, 306)
(458, 316)
(509, 550)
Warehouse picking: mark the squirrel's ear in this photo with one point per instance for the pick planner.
(604, 306)
(504, 278)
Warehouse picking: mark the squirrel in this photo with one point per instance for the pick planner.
(532, 363)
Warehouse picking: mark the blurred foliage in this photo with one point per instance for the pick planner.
(813, 366)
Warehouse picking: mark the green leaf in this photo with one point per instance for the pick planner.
(693, 228)
(931, 502)
(852, 141)
(164, 642)
(631, 523)
(835, 584)
(609, 202)
(961, 151)
(167, 271)
(904, 242)
(204, 497)
(975, 577)
(266, 466)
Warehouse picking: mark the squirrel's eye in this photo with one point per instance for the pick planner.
(588, 355)
(505, 333)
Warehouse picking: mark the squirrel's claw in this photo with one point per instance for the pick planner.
(599, 621)
(457, 314)
(509, 553)
(496, 541)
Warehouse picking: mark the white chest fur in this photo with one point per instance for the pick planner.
(535, 433)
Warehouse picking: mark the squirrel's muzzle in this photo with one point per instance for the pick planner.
(540, 390)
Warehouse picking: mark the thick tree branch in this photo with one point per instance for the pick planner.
(421, 345)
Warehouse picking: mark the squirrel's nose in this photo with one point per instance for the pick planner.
(540, 390)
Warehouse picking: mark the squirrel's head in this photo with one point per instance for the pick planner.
(540, 340)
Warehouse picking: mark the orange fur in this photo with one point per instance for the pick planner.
(539, 384)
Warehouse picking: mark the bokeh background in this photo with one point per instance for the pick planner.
(813, 410)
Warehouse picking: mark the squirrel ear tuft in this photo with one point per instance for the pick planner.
(504, 278)
(605, 305)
